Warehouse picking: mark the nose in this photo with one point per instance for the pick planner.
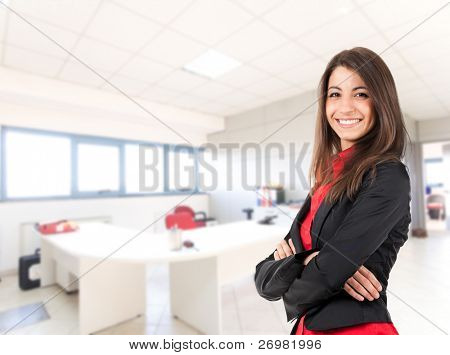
(346, 106)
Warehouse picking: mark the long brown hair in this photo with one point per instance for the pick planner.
(386, 141)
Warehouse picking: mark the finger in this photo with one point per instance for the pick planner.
(281, 252)
(276, 256)
(352, 293)
(366, 283)
(291, 243)
(286, 247)
(367, 273)
(359, 288)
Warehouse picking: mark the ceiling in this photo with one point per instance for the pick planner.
(140, 46)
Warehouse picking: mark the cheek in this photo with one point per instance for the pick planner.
(367, 109)
(329, 109)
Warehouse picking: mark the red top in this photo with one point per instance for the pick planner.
(305, 237)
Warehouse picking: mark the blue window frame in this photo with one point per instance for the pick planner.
(94, 167)
(181, 169)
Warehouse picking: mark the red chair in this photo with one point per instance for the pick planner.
(199, 221)
(182, 220)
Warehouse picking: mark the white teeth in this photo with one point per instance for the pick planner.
(348, 121)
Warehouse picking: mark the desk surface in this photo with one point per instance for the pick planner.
(99, 240)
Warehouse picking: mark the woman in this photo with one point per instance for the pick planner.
(332, 268)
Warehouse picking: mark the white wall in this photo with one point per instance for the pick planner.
(31, 101)
(434, 130)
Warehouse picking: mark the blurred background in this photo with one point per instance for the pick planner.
(84, 84)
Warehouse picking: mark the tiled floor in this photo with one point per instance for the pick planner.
(418, 300)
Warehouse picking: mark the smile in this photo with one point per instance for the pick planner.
(348, 123)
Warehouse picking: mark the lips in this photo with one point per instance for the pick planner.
(348, 122)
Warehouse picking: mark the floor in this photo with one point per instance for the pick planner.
(418, 300)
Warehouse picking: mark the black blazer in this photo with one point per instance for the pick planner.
(368, 230)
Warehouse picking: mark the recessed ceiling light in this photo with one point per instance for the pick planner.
(212, 64)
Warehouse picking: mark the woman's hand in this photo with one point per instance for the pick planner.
(363, 284)
(284, 249)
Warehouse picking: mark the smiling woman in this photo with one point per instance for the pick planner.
(332, 267)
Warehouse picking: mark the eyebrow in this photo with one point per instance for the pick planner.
(355, 88)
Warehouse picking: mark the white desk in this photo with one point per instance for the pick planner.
(115, 290)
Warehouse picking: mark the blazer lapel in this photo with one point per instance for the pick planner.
(319, 219)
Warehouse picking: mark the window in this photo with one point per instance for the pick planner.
(434, 169)
(36, 164)
(146, 175)
(182, 169)
(98, 168)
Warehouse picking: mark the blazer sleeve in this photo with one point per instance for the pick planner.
(273, 277)
(378, 207)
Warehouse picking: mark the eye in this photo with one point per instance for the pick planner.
(333, 94)
(362, 94)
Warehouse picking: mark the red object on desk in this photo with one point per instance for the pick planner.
(61, 226)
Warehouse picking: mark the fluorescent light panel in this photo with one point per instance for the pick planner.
(212, 64)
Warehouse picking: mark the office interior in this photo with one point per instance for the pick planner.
(90, 89)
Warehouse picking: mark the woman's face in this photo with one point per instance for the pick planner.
(349, 107)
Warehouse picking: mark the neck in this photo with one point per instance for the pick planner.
(345, 145)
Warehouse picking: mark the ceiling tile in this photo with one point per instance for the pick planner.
(173, 49)
(181, 80)
(73, 15)
(305, 73)
(122, 28)
(387, 14)
(284, 94)
(145, 69)
(23, 35)
(213, 107)
(295, 17)
(76, 72)
(344, 32)
(408, 85)
(258, 7)
(415, 32)
(31, 62)
(392, 59)
(282, 58)
(131, 87)
(100, 55)
(433, 48)
(159, 11)
(376, 43)
(237, 97)
(267, 86)
(211, 90)
(211, 21)
(251, 41)
(158, 94)
(188, 101)
(242, 76)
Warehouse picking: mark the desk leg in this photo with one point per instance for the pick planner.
(110, 293)
(47, 267)
(195, 295)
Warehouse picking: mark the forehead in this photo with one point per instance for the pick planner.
(345, 78)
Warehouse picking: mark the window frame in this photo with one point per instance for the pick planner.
(76, 139)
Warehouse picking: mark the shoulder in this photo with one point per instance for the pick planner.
(391, 176)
